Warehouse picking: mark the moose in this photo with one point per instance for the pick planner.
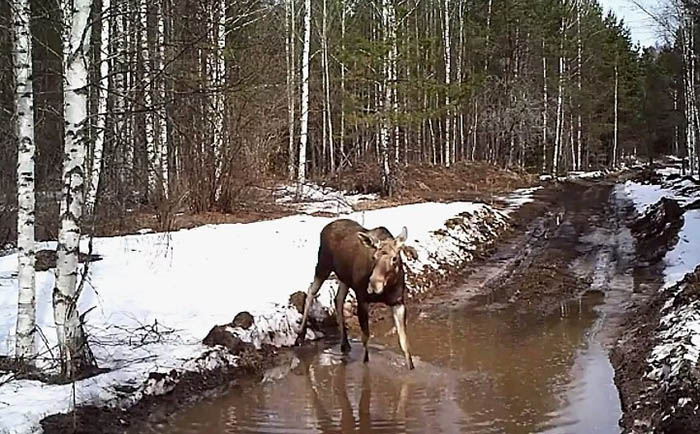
(369, 262)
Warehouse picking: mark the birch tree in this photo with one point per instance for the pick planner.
(25, 346)
(614, 149)
(103, 85)
(290, 45)
(448, 65)
(560, 99)
(545, 101)
(72, 343)
(389, 22)
(304, 121)
(579, 51)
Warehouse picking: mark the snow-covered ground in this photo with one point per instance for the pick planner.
(685, 256)
(155, 296)
(316, 198)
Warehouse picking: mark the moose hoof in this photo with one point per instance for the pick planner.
(366, 360)
(345, 347)
(301, 338)
(410, 365)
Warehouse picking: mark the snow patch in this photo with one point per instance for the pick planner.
(155, 296)
(316, 198)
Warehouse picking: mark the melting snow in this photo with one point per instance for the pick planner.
(157, 295)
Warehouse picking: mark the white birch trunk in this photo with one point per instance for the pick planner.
(460, 77)
(342, 81)
(290, 43)
(76, 36)
(614, 155)
(120, 82)
(448, 65)
(560, 97)
(304, 121)
(217, 73)
(151, 151)
(163, 159)
(579, 51)
(687, 86)
(384, 134)
(675, 126)
(25, 346)
(692, 100)
(545, 102)
(102, 60)
(327, 89)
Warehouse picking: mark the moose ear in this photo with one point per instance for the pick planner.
(402, 236)
(409, 252)
(368, 240)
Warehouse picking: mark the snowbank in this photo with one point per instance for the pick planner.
(672, 391)
(685, 255)
(155, 296)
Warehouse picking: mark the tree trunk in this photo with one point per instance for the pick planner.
(304, 121)
(384, 134)
(614, 154)
(290, 42)
(579, 50)
(104, 63)
(25, 346)
(448, 65)
(163, 158)
(327, 89)
(545, 99)
(72, 343)
(152, 153)
(560, 98)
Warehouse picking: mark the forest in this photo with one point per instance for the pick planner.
(116, 106)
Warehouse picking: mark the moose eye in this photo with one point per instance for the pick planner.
(395, 260)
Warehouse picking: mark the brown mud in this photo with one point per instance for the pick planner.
(652, 405)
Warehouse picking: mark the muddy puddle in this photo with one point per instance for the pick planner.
(476, 372)
(490, 365)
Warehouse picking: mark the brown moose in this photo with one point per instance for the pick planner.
(369, 262)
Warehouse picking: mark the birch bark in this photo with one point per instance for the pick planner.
(25, 346)
(290, 43)
(72, 344)
(304, 121)
(104, 63)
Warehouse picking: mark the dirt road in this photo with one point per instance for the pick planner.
(519, 344)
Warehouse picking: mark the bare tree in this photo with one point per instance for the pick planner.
(304, 122)
(103, 85)
(72, 342)
(25, 347)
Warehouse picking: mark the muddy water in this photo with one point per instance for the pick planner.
(482, 367)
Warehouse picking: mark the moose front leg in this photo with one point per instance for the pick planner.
(310, 295)
(399, 312)
(363, 316)
(340, 316)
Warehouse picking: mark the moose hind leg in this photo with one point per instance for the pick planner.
(363, 316)
(340, 316)
(310, 295)
(399, 312)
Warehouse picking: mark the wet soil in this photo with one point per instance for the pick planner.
(519, 343)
